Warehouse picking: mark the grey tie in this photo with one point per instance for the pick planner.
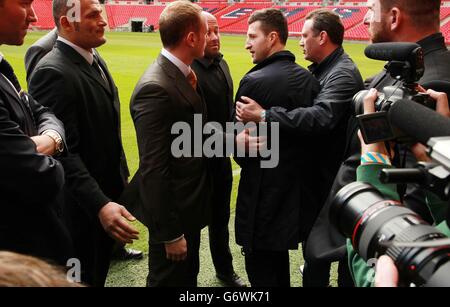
(99, 70)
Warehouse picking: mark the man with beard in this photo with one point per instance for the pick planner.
(215, 81)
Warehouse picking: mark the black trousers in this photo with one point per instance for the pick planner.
(268, 268)
(92, 246)
(163, 272)
(218, 227)
(317, 273)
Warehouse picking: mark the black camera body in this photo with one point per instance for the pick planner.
(406, 64)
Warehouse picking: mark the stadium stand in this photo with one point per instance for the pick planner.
(43, 9)
(120, 15)
(233, 16)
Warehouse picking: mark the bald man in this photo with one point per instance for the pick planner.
(215, 80)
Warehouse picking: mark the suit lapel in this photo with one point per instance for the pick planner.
(182, 84)
(8, 88)
(19, 108)
(84, 66)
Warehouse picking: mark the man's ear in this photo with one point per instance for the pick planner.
(273, 36)
(190, 39)
(396, 18)
(66, 26)
(323, 37)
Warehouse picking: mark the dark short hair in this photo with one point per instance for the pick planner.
(328, 21)
(59, 8)
(423, 13)
(271, 20)
(178, 19)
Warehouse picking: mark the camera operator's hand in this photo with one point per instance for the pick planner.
(419, 150)
(369, 107)
(441, 101)
(386, 274)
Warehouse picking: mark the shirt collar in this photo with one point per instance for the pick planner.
(1, 57)
(88, 56)
(185, 69)
(432, 42)
(207, 62)
(317, 68)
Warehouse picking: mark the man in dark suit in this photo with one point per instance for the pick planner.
(215, 81)
(273, 204)
(175, 192)
(30, 179)
(77, 85)
(32, 57)
(38, 50)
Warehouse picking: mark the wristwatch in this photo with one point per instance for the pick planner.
(263, 115)
(57, 138)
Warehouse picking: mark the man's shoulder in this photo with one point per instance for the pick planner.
(155, 78)
(55, 59)
(345, 63)
(437, 66)
(154, 73)
(278, 68)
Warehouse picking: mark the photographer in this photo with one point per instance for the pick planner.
(387, 21)
(375, 157)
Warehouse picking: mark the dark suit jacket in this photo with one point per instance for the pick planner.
(216, 83)
(95, 167)
(174, 191)
(38, 50)
(30, 183)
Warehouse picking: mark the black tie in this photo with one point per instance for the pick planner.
(98, 69)
(7, 70)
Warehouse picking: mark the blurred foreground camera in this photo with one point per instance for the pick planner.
(377, 225)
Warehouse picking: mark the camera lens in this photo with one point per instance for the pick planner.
(370, 220)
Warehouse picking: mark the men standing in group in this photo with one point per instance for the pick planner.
(76, 84)
(175, 191)
(31, 180)
(217, 86)
(414, 21)
(326, 118)
(268, 205)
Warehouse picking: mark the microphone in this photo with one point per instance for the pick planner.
(418, 121)
(391, 51)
